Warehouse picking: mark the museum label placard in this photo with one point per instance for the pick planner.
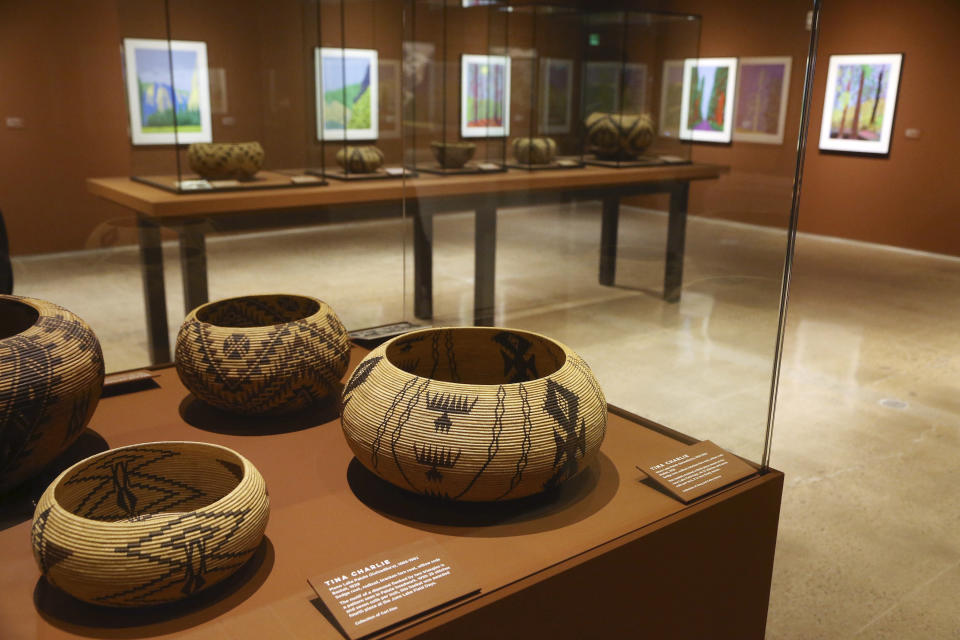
(695, 470)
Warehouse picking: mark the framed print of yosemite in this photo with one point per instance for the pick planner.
(347, 93)
(168, 91)
(484, 96)
(859, 104)
(762, 87)
(706, 112)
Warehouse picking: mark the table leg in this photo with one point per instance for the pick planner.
(484, 265)
(676, 237)
(608, 239)
(154, 295)
(193, 266)
(422, 260)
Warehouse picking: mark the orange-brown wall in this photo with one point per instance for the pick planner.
(60, 69)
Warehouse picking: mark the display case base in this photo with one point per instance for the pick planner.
(191, 183)
(642, 161)
(470, 167)
(608, 555)
(379, 174)
(560, 163)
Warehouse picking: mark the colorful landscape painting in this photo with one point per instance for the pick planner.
(707, 107)
(761, 100)
(168, 90)
(347, 86)
(860, 102)
(671, 97)
(556, 89)
(485, 96)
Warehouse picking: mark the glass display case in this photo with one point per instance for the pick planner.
(545, 44)
(554, 334)
(217, 103)
(457, 100)
(632, 73)
(358, 89)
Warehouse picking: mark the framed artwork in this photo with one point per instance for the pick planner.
(601, 87)
(556, 95)
(419, 71)
(634, 92)
(761, 106)
(347, 84)
(390, 100)
(860, 102)
(484, 96)
(168, 91)
(671, 98)
(706, 111)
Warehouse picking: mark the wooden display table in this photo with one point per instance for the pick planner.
(609, 556)
(194, 214)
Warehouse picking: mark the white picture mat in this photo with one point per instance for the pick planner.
(484, 132)
(881, 146)
(723, 135)
(546, 64)
(137, 134)
(336, 53)
(765, 138)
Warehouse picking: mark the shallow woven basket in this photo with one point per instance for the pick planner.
(262, 354)
(474, 413)
(225, 160)
(51, 376)
(149, 523)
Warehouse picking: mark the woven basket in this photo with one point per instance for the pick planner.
(534, 150)
(474, 414)
(51, 376)
(360, 159)
(149, 523)
(619, 136)
(225, 160)
(262, 354)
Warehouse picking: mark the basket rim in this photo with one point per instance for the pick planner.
(248, 478)
(43, 308)
(193, 312)
(567, 352)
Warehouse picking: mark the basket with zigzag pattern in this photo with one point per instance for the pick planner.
(474, 413)
(262, 354)
(149, 523)
(51, 377)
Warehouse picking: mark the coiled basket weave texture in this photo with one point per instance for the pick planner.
(262, 354)
(474, 413)
(149, 523)
(51, 377)
(620, 136)
(225, 160)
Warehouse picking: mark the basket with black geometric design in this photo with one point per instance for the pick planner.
(262, 354)
(474, 413)
(51, 377)
(149, 523)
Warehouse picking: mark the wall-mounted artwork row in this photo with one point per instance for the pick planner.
(762, 87)
(347, 86)
(484, 96)
(860, 101)
(168, 91)
(706, 113)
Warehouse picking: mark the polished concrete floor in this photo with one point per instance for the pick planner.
(866, 428)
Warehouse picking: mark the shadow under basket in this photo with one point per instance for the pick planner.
(150, 523)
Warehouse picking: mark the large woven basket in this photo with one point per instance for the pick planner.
(149, 523)
(616, 136)
(51, 376)
(474, 413)
(262, 354)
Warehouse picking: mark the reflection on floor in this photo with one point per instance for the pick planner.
(866, 431)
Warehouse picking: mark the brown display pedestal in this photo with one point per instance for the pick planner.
(608, 556)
